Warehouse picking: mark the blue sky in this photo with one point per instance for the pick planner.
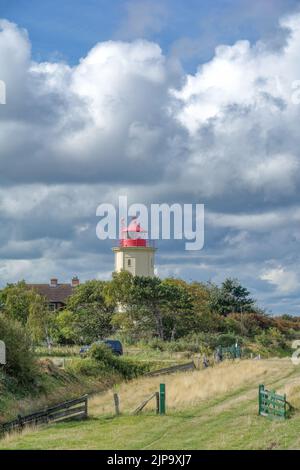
(163, 101)
(68, 29)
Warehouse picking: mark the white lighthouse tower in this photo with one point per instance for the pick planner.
(134, 253)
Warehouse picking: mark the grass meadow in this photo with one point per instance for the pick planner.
(214, 408)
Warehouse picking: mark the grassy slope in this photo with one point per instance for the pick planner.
(228, 420)
(53, 386)
(56, 385)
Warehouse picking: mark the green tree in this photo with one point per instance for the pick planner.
(15, 300)
(231, 297)
(20, 361)
(92, 310)
(65, 331)
(41, 321)
(151, 307)
(29, 308)
(177, 306)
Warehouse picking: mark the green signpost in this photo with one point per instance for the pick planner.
(162, 399)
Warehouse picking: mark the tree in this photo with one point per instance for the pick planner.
(177, 306)
(15, 300)
(231, 297)
(40, 322)
(139, 301)
(120, 290)
(29, 308)
(204, 318)
(65, 332)
(20, 360)
(92, 313)
(149, 294)
(151, 307)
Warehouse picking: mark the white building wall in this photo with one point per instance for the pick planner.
(137, 261)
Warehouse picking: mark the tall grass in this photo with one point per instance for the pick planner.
(57, 351)
(184, 390)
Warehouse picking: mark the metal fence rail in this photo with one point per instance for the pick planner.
(71, 409)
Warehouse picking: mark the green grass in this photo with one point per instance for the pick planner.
(229, 421)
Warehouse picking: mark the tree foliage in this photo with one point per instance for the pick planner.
(20, 363)
(231, 297)
(88, 315)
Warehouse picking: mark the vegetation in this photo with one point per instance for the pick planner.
(161, 322)
(20, 366)
(152, 310)
(211, 409)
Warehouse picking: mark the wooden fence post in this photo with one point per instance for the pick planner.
(162, 399)
(117, 403)
(86, 406)
(157, 402)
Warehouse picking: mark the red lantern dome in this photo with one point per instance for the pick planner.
(133, 235)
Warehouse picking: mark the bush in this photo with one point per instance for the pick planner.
(21, 364)
(273, 340)
(85, 366)
(110, 363)
(229, 339)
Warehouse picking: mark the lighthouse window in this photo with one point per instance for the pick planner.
(129, 262)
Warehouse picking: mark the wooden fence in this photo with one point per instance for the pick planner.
(72, 409)
(271, 404)
(172, 369)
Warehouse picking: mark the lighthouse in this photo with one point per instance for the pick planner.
(134, 253)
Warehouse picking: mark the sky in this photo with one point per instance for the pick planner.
(170, 101)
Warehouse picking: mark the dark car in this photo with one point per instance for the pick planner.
(113, 344)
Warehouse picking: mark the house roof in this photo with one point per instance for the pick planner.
(54, 294)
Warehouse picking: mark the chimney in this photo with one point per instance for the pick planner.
(53, 282)
(75, 281)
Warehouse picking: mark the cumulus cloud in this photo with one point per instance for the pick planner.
(127, 120)
(285, 281)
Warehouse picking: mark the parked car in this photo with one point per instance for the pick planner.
(114, 344)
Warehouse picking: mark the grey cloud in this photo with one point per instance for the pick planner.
(127, 120)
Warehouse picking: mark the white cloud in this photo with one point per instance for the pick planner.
(125, 120)
(285, 281)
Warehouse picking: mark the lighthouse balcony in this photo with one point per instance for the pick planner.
(138, 242)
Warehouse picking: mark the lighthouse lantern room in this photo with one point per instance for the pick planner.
(134, 253)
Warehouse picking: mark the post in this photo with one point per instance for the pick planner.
(2, 353)
(284, 407)
(162, 399)
(157, 402)
(86, 406)
(117, 403)
(20, 421)
(260, 390)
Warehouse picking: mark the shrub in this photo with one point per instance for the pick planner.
(85, 366)
(273, 339)
(111, 363)
(21, 364)
(229, 339)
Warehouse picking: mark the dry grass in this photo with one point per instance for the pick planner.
(184, 390)
(14, 435)
(292, 391)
